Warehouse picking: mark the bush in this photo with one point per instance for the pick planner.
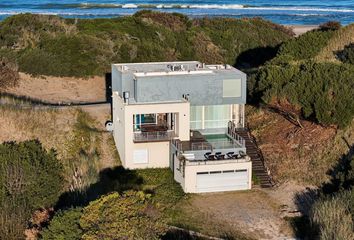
(127, 216)
(64, 225)
(322, 91)
(30, 178)
(76, 55)
(8, 75)
(306, 46)
(330, 26)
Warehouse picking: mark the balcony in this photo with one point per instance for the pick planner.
(154, 127)
(154, 136)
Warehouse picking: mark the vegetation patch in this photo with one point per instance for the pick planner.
(297, 83)
(50, 45)
(31, 178)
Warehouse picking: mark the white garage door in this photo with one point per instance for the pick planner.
(218, 181)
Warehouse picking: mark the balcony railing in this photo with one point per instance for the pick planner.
(154, 136)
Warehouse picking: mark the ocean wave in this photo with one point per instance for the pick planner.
(305, 9)
(191, 6)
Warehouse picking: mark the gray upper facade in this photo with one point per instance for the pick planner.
(170, 81)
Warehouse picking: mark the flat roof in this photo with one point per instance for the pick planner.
(173, 68)
(171, 73)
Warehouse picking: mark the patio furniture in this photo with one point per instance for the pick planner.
(242, 154)
(235, 156)
(153, 128)
(220, 156)
(230, 154)
(211, 157)
(207, 154)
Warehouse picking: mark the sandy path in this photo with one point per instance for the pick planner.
(301, 29)
(61, 89)
(252, 212)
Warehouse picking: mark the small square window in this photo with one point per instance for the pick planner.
(232, 88)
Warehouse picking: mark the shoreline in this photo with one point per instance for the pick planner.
(301, 29)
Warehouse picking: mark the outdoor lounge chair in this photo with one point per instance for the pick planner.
(211, 157)
(220, 156)
(207, 154)
(230, 154)
(242, 154)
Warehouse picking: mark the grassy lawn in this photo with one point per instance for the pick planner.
(176, 206)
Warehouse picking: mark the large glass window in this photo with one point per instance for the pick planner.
(217, 116)
(143, 119)
(213, 116)
(196, 117)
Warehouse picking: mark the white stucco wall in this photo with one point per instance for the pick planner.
(189, 181)
(158, 152)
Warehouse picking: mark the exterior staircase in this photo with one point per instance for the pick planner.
(258, 167)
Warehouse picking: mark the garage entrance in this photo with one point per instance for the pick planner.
(219, 181)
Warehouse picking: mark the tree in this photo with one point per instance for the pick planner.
(30, 178)
(64, 225)
(127, 216)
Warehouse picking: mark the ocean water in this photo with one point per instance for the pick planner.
(307, 12)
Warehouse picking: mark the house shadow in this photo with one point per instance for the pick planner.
(340, 179)
(115, 179)
(255, 57)
(108, 84)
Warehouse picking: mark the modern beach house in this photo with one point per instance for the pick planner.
(183, 115)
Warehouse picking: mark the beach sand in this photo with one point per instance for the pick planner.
(301, 29)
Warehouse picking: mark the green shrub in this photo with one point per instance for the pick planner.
(127, 216)
(25, 30)
(306, 46)
(67, 55)
(29, 173)
(323, 91)
(64, 225)
(30, 178)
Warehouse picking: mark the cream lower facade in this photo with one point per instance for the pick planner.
(146, 154)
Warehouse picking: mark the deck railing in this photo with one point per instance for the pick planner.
(231, 131)
(154, 136)
(201, 146)
(225, 144)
